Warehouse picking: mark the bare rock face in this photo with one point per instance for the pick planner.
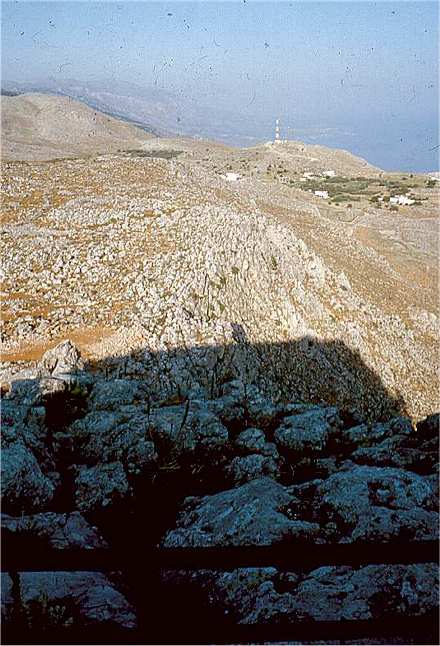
(375, 504)
(101, 486)
(357, 503)
(24, 486)
(248, 515)
(65, 358)
(255, 595)
(251, 467)
(308, 434)
(66, 599)
(60, 531)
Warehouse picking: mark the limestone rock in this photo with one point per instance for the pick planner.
(251, 467)
(260, 595)
(187, 429)
(251, 440)
(308, 433)
(101, 486)
(107, 436)
(112, 394)
(61, 531)
(371, 503)
(366, 435)
(65, 358)
(63, 599)
(248, 515)
(24, 486)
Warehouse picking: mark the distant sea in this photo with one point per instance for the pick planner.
(390, 144)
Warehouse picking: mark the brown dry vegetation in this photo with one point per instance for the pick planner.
(114, 202)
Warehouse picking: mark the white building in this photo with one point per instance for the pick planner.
(323, 194)
(329, 173)
(309, 175)
(232, 177)
(403, 200)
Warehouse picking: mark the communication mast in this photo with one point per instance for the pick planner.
(277, 131)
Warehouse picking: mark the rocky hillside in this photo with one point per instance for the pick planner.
(43, 126)
(132, 255)
(87, 457)
(252, 361)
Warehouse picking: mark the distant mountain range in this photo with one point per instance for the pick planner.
(156, 110)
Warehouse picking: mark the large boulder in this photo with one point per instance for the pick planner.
(101, 487)
(64, 359)
(243, 405)
(188, 429)
(25, 488)
(251, 440)
(73, 599)
(60, 531)
(309, 433)
(107, 436)
(363, 503)
(248, 515)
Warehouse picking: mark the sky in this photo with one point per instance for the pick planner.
(357, 75)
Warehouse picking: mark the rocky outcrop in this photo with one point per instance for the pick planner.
(248, 515)
(190, 283)
(241, 468)
(100, 486)
(360, 503)
(24, 486)
(260, 595)
(60, 531)
(73, 599)
(64, 359)
(308, 434)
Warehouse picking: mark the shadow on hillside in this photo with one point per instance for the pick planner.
(304, 370)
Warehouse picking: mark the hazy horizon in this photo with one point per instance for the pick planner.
(359, 76)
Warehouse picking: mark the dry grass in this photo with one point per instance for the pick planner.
(82, 337)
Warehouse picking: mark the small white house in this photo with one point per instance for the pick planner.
(329, 173)
(232, 177)
(323, 194)
(403, 200)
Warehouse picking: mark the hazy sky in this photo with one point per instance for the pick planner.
(368, 72)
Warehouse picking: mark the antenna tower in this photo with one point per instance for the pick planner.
(277, 131)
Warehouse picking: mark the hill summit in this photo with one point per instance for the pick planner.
(43, 126)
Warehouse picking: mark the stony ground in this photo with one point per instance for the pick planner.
(91, 461)
(134, 253)
(256, 366)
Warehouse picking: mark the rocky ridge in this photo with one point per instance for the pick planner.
(124, 263)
